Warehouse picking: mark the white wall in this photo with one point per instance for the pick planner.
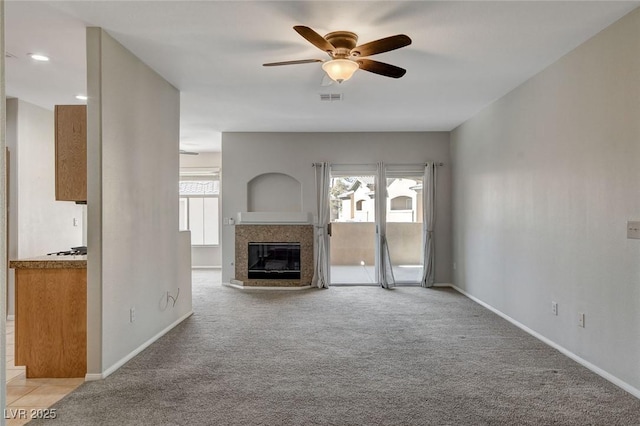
(203, 159)
(3, 224)
(136, 254)
(246, 155)
(545, 180)
(204, 257)
(262, 198)
(38, 224)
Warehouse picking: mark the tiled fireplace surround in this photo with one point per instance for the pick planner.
(302, 234)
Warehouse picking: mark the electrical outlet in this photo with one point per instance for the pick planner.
(454, 266)
(554, 308)
(75, 221)
(633, 230)
(581, 319)
(132, 314)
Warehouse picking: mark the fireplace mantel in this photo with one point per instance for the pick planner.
(275, 218)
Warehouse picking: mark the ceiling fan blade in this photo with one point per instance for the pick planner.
(300, 61)
(382, 45)
(381, 68)
(314, 38)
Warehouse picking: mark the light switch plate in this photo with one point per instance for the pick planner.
(633, 230)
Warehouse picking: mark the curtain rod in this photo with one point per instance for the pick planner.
(348, 164)
(412, 164)
(372, 164)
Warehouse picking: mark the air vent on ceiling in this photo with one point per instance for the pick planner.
(330, 97)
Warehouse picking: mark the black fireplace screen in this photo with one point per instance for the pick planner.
(274, 261)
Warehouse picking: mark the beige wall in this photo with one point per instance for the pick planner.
(354, 242)
(545, 180)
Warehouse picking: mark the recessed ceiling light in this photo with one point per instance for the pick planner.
(82, 97)
(38, 57)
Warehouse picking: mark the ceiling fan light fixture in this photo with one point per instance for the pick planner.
(340, 69)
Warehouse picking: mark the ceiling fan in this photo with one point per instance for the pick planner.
(346, 57)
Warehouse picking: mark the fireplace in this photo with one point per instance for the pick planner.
(274, 261)
(300, 237)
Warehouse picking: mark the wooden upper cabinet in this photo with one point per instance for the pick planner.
(71, 152)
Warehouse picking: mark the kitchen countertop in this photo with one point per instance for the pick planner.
(50, 262)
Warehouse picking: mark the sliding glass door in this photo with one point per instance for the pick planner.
(377, 233)
(403, 228)
(353, 228)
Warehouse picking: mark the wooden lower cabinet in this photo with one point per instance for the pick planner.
(51, 322)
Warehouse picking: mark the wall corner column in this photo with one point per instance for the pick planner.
(94, 202)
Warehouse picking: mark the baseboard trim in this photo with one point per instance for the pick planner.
(206, 267)
(251, 288)
(91, 377)
(123, 361)
(599, 371)
(443, 285)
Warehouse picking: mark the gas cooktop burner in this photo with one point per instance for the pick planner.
(75, 251)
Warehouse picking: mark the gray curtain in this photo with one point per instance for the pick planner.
(428, 220)
(321, 266)
(385, 270)
(387, 280)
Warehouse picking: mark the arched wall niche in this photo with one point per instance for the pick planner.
(274, 192)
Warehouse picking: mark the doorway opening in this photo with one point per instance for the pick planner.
(404, 227)
(353, 229)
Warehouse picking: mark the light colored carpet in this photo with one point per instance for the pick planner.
(346, 356)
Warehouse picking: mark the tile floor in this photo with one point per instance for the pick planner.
(25, 395)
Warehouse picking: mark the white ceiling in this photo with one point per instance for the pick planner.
(464, 56)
